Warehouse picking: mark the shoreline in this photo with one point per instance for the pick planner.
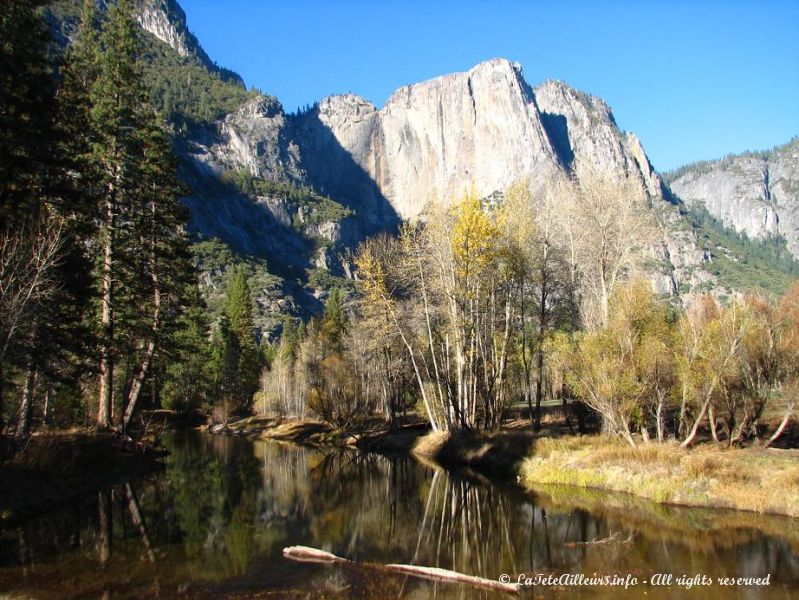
(757, 480)
(60, 467)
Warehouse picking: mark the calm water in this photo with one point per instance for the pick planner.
(215, 523)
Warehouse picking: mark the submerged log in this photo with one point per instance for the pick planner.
(307, 554)
(614, 537)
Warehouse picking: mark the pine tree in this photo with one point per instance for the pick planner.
(189, 374)
(238, 310)
(122, 152)
(335, 321)
(116, 98)
(26, 111)
(162, 266)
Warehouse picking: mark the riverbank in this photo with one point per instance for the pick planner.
(495, 454)
(749, 479)
(56, 468)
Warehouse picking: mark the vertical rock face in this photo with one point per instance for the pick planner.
(166, 20)
(480, 130)
(434, 140)
(587, 138)
(477, 130)
(755, 194)
(255, 139)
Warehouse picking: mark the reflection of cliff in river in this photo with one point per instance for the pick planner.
(216, 522)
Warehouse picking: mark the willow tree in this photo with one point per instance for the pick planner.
(788, 349)
(377, 315)
(625, 370)
(390, 288)
(707, 349)
(541, 279)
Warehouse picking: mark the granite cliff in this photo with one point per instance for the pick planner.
(480, 130)
(756, 193)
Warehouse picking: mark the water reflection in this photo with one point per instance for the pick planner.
(216, 521)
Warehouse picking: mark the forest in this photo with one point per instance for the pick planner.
(540, 297)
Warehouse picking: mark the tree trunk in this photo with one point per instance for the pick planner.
(659, 418)
(782, 426)
(26, 404)
(711, 417)
(138, 522)
(689, 440)
(106, 367)
(542, 330)
(104, 527)
(46, 411)
(2, 404)
(141, 373)
(539, 389)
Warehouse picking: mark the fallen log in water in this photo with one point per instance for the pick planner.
(307, 554)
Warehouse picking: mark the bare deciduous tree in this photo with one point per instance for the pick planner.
(29, 258)
(607, 227)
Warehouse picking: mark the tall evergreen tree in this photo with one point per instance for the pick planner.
(117, 100)
(188, 374)
(123, 155)
(238, 311)
(334, 320)
(26, 111)
(163, 268)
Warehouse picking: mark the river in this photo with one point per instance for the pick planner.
(215, 522)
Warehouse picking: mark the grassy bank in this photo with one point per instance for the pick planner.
(750, 479)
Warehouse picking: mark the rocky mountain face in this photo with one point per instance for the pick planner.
(753, 193)
(480, 130)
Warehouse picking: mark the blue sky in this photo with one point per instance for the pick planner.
(694, 80)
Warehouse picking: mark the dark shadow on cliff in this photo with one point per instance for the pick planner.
(333, 171)
(246, 225)
(248, 228)
(557, 130)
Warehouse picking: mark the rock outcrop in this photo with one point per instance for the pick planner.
(753, 193)
(588, 140)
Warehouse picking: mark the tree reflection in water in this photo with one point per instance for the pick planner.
(217, 520)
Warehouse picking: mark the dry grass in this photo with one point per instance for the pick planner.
(748, 479)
